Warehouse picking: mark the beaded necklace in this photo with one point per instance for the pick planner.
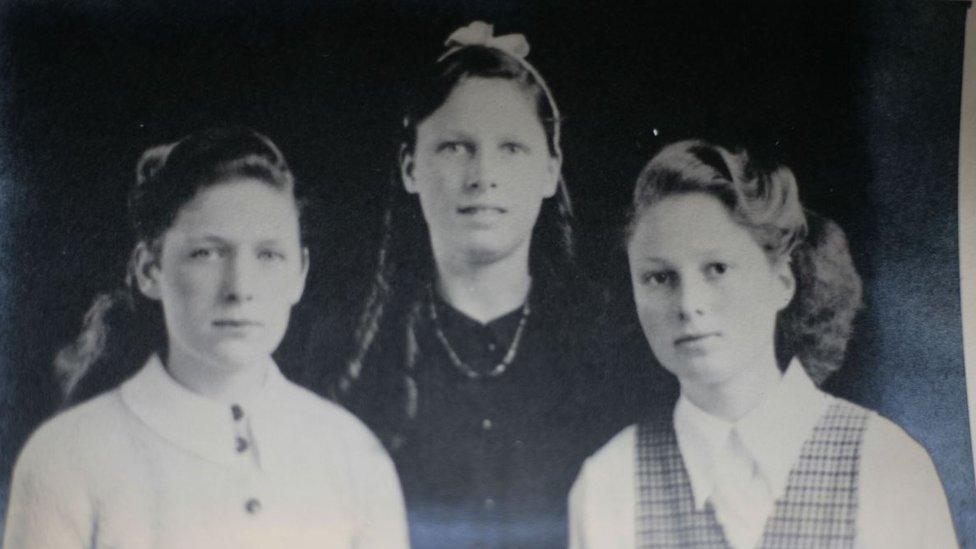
(459, 364)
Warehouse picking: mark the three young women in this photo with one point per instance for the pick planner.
(206, 444)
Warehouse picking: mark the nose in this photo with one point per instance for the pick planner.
(482, 171)
(238, 284)
(692, 299)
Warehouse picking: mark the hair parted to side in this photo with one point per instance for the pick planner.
(817, 324)
(404, 263)
(167, 177)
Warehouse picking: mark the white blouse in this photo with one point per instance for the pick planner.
(901, 500)
(154, 465)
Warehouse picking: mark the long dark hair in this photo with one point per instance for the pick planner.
(122, 327)
(404, 264)
(817, 324)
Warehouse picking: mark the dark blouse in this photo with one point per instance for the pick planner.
(489, 462)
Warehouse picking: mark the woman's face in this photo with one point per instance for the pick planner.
(706, 294)
(230, 268)
(481, 167)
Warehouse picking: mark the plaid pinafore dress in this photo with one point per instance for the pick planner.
(818, 509)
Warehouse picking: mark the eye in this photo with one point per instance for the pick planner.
(271, 255)
(514, 147)
(455, 148)
(657, 278)
(716, 269)
(203, 253)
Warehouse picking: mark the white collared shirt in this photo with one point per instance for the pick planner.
(154, 465)
(772, 436)
(901, 500)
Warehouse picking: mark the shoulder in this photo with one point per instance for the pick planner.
(882, 439)
(613, 458)
(71, 442)
(885, 442)
(902, 502)
(601, 502)
(78, 427)
(60, 475)
(329, 419)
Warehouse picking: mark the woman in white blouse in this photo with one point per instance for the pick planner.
(206, 444)
(748, 300)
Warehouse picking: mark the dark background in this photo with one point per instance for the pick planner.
(862, 100)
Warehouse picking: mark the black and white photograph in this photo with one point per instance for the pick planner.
(472, 274)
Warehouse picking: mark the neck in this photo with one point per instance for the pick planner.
(485, 290)
(733, 398)
(222, 382)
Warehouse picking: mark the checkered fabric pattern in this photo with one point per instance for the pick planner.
(819, 508)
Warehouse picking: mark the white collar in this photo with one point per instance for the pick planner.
(196, 423)
(773, 433)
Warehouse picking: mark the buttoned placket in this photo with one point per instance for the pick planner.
(482, 346)
(487, 427)
(246, 451)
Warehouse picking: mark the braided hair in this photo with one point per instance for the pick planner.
(404, 262)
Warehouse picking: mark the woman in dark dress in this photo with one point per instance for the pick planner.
(474, 357)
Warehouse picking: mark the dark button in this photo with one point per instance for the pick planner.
(252, 506)
(241, 445)
(492, 347)
(237, 412)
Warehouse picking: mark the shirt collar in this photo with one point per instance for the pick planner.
(203, 426)
(773, 433)
(700, 435)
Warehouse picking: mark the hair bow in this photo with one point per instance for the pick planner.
(479, 33)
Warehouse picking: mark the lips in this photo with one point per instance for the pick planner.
(235, 323)
(474, 209)
(692, 339)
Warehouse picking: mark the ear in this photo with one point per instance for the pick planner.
(146, 269)
(787, 282)
(553, 169)
(299, 288)
(406, 169)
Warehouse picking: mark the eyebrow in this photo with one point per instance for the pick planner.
(454, 134)
(220, 240)
(703, 254)
(207, 238)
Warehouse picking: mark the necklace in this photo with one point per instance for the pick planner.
(459, 364)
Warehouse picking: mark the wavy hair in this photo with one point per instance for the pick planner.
(817, 324)
(122, 327)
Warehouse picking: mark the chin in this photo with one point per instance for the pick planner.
(704, 371)
(489, 248)
(240, 354)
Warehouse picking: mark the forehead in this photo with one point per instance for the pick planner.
(238, 209)
(688, 226)
(486, 104)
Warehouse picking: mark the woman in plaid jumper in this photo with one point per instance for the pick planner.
(748, 300)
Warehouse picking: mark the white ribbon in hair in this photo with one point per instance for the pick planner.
(479, 33)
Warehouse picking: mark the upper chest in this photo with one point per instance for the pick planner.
(150, 492)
